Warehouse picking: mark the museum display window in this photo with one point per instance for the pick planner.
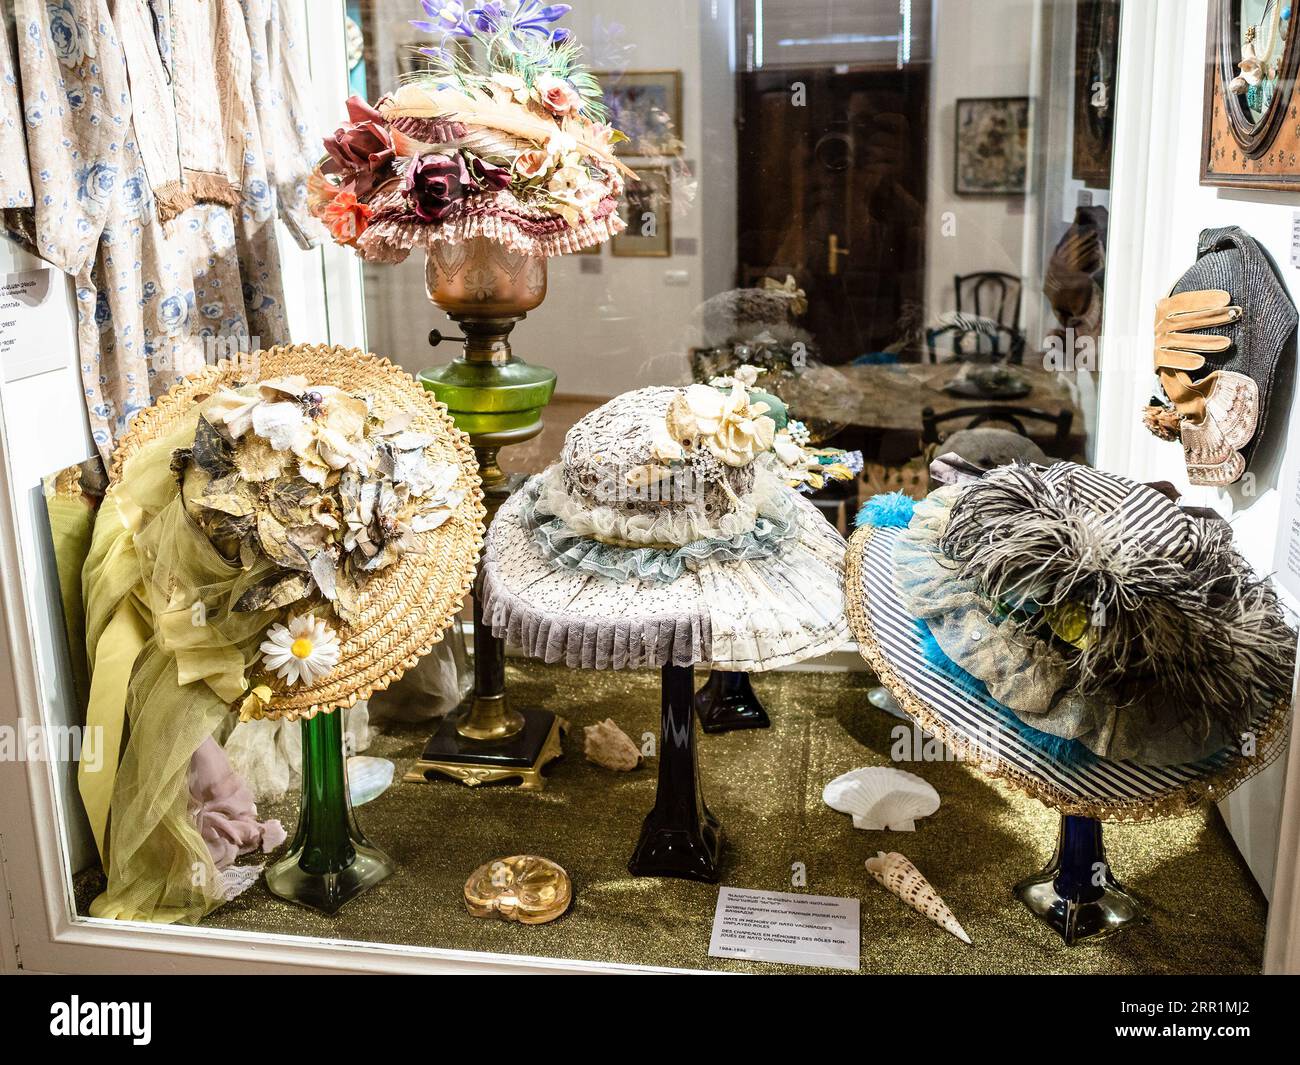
(624, 486)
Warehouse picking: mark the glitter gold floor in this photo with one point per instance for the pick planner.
(1206, 914)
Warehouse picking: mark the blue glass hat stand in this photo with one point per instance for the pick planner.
(1076, 895)
(727, 703)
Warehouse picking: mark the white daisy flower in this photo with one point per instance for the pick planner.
(304, 650)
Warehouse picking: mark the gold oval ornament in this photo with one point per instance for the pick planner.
(523, 888)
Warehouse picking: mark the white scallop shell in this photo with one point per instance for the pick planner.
(881, 797)
(368, 778)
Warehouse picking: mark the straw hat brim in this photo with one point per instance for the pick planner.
(406, 608)
(973, 729)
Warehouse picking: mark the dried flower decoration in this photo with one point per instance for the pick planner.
(305, 476)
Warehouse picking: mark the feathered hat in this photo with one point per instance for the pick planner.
(1085, 617)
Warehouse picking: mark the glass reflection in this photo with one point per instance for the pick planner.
(899, 212)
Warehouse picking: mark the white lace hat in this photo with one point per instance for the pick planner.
(666, 536)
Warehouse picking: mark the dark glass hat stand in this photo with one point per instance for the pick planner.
(727, 702)
(330, 862)
(680, 837)
(1076, 895)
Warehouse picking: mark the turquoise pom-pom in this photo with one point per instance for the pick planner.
(889, 510)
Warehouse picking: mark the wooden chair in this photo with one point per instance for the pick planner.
(998, 412)
(995, 296)
(990, 294)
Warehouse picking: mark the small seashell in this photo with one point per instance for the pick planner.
(881, 797)
(608, 745)
(368, 778)
(900, 877)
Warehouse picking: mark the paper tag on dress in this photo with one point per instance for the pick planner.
(791, 929)
(1295, 238)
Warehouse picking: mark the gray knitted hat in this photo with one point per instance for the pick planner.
(1221, 337)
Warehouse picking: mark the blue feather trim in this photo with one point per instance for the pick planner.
(1067, 752)
(889, 510)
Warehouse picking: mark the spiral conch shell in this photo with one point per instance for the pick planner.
(898, 875)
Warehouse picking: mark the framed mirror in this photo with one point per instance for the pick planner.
(1252, 118)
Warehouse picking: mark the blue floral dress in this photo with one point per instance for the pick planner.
(173, 269)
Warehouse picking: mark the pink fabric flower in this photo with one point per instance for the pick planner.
(558, 95)
(361, 152)
(532, 163)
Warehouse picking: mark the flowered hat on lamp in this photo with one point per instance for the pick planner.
(666, 535)
(511, 147)
(1076, 630)
(285, 534)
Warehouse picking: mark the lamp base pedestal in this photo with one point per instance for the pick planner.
(498, 400)
(727, 703)
(522, 756)
(1076, 895)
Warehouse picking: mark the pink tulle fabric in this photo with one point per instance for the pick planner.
(223, 808)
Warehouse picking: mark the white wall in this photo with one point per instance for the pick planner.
(1160, 208)
(979, 50)
(43, 428)
(628, 325)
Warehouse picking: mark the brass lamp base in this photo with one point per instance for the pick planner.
(522, 755)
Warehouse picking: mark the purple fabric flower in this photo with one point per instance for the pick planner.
(361, 151)
(434, 183)
(446, 17)
(489, 17)
(521, 19)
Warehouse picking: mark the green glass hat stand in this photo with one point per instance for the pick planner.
(497, 399)
(330, 862)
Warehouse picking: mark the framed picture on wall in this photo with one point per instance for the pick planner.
(647, 106)
(647, 207)
(1096, 56)
(992, 146)
(1250, 127)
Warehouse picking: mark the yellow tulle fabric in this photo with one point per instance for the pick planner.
(168, 657)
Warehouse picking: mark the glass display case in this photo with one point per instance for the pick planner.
(853, 236)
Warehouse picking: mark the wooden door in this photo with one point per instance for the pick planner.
(832, 190)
